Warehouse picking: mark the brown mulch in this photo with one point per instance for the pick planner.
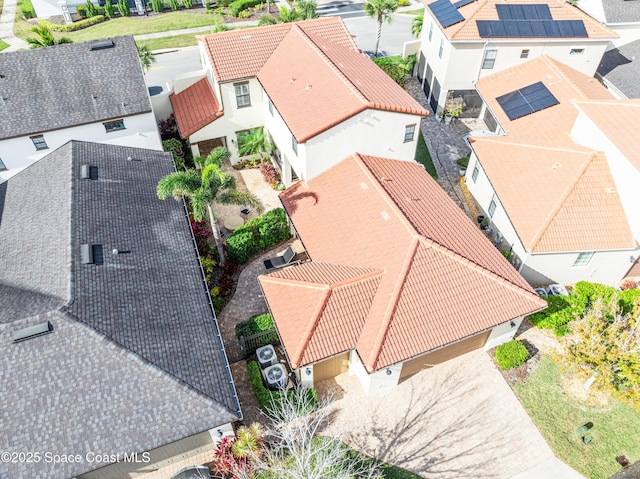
(512, 376)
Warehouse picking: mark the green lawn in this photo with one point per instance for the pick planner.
(417, 11)
(423, 157)
(616, 429)
(393, 472)
(177, 41)
(3, 45)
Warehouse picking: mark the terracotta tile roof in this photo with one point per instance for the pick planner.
(486, 10)
(427, 273)
(623, 134)
(195, 107)
(240, 54)
(553, 125)
(331, 304)
(332, 81)
(558, 199)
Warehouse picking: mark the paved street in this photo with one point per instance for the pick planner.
(340, 9)
(394, 34)
(171, 64)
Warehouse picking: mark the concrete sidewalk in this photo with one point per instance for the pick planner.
(6, 27)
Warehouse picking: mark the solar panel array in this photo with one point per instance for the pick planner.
(529, 21)
(531, 29)
(446, 13)
(462, 3)
(526, 101)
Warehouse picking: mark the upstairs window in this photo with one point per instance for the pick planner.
(2, 166)
(270, 106)
(39, 143)
(492, 206)
(576, 51)
(114, 125)
(409, 132)
(441, 48)
(243, 97)
(294, 144)
(583, 259)
(489, 59)
(474, 175)
(430, 31)
(524, 53)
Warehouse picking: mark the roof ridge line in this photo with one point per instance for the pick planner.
(561, 201)
(332, 65)
(356, 279)
(392, 304)
(478, 267)
(296, 358)
(566, 148)
(554, 66)
(294, 282)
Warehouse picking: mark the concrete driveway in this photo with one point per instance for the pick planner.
(457, 420)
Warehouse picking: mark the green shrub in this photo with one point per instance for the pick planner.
(512, 354)
(256, 324)
(92, 10)
(223, 3)
(157, 6)
(463, 162)
(238, 6)
(265, 397)
(109, 9)
(82, 11)
(403, 3)
(27, 9)
(72, 27)
(397, 68)
(257, 235)
(187, 4)
(123, 8)
(174, 4)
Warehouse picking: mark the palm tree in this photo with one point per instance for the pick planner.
(306, 9)
(45, 38)
(416, 26)
(249, 440)
(381, 10)
(147, 58)
(255, 143)
(204, 187)
(301, 10)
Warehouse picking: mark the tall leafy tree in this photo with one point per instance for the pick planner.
(255, 143)
(147, 58)
(45, 38)
(381, 11)
(301, 10)
(202, 188)
(416, 25)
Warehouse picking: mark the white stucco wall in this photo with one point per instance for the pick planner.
(607, 266)
(140, 131)
(376, 382)
(502, 333)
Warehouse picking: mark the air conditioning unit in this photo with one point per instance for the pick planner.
(276, 376)
(266, 356)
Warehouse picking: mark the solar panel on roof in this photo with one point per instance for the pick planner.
(531, 29)
(523, 12)
(526, 101)
(446, 13)
(462, 3)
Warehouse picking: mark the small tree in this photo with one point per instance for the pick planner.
(605, 344)
(109, 9)
(174, 4)
(381, 10)
(92, 11)
(147, 58)
(255, 143)
(157, 6)
(123, 8)
(416, 26)
(45, 38)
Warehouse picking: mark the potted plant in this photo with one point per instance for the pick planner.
(462, 164)
(452, 109)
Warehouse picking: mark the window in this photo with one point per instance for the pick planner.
(576, 51)
(489, 59)
(243, 98)
(409, 132)
(492, 206)
(524, 54)
(270, 106)
(39, 143)
(441, 48)
(474, 175)
(294, 144)
(2, 166)
(430, 31)
(583, 259)
(114, 125)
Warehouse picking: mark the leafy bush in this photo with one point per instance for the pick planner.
(27, 9)
(257, 235)
(109, 9)
(463, 162)
(168, 128)
(269, 173)
(397, 68)
(238, 6)
(174, 4)
(265, 397)
(157, 6)
(628, 284)
(187, 4)
(223, 3)
(512, 354)
(71, 27)
(123, 8)
(244, 14)
(92, 10)
(81, 10)
(256, 324)
(403, 3)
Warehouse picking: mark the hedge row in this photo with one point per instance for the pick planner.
(268, 399)
(238, 6)
(258, 235)
(256, 324)
(397, 68)
(512, 354)
(71, 27)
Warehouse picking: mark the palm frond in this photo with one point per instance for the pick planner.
(217, 157)
(178, 184)
(235, 197)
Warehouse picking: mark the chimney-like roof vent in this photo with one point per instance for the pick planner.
(86, 253)
(32, 332)
(101, 44)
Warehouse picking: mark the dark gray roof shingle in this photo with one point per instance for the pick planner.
(136, 359)
(47, 89)
(621, 67)
(621, 11)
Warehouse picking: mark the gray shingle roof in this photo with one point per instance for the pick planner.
(147, 366)
(47, 89)
(621, 67)
(621, 11)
